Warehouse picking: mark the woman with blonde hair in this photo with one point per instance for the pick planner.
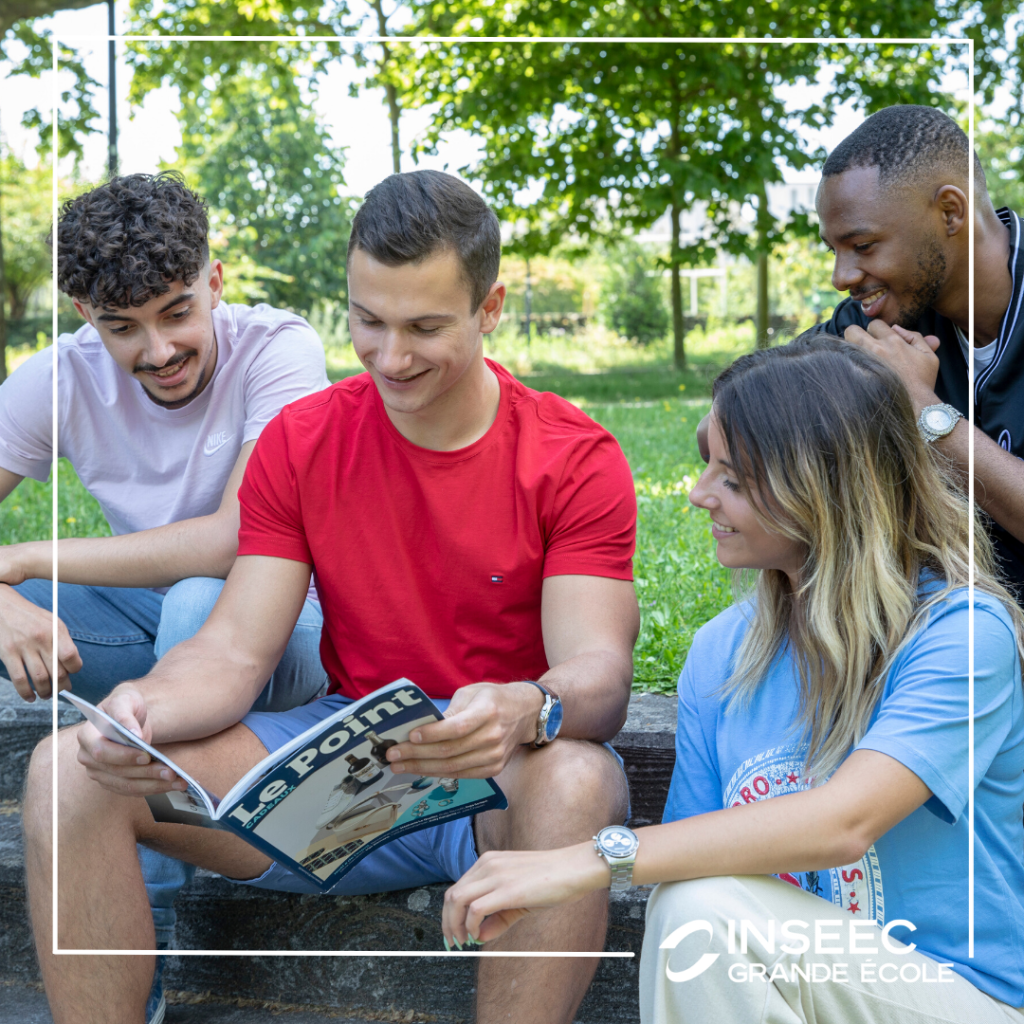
(825, 734)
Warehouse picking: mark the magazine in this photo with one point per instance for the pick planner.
(328, 798)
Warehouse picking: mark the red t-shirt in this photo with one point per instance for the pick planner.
(429, 564)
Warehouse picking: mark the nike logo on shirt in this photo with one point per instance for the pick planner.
(214, 442)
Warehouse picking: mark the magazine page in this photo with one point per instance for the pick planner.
(303, 740)
(195, 801)
(323, 809)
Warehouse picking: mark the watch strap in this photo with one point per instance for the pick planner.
(621, 867)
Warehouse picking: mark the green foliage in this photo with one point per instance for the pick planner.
(26, 223)
(27, 513)
(78, 512)
(679, 582)
(633, 299)
(274, 181)
(614, 134)
(77, 113)
(1001, 151)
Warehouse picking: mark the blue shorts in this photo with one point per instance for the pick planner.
(440, 854)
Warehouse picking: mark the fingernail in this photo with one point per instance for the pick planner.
(475, 941)
(396, 766)
(447, 948)
(457, 943)
(142, 759)
(416, 737)
(166, 773)
(181, 784)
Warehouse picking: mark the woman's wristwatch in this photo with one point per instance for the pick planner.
(618, 845)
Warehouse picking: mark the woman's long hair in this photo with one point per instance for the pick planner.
(824, 442)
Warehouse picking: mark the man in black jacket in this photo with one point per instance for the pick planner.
(893, 207)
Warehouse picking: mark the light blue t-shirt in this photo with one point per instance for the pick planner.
(918, 870)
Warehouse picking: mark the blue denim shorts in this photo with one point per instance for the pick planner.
(440, 854)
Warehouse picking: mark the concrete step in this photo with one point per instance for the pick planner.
(214, 914)
(26, 1004)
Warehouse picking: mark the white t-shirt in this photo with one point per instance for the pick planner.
(147, 465)
(983, 354)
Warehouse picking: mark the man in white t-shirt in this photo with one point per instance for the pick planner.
(161, 397)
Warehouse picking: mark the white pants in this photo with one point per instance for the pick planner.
(762, 987)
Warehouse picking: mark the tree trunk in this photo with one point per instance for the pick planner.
(764, 223)
(390, 92)
(678, 350)
(761, 320)
(394, 113)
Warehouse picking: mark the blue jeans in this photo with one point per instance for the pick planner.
(120, 632)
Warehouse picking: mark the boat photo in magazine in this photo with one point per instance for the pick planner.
(321, 803)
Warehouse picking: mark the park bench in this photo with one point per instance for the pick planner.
(214, 914)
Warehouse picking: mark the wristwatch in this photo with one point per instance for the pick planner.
(937, 421)
(618, 845)
(549, 721)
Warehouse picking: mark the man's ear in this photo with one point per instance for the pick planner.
(491, 307)
(216, 283)
(85, 312)
(952, 204)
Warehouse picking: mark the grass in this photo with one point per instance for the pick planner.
(639, 397)
(679, 583)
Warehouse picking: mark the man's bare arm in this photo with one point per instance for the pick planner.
(26, 633)
(206, 684)
(8, 481)
(590, 624)
(202, 546)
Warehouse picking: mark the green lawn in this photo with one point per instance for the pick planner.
(652, 411)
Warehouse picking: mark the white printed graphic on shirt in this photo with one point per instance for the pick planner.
(856, 888)
(216, 441)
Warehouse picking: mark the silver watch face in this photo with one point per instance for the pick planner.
(938, 420)
(615, 841)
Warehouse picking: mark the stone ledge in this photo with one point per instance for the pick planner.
(216, 914)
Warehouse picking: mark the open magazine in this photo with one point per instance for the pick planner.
(321, 803)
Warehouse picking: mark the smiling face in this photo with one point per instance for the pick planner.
(744, 542)
(168, 343)
(890, 245)
(413, 329)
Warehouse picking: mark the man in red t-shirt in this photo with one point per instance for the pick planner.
(465, 532)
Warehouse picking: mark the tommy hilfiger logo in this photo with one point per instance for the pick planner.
(497, 577)
(216, 441)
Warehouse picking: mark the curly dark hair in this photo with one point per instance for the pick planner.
(124, 242)
(907, 143)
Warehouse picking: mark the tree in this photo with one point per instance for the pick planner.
(275, 183)
(35, 57)
(189, 66)
(12, 11)
(633, 303)
(25, 227)
(615, 135)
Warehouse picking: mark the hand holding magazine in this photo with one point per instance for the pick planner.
(322, 802)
